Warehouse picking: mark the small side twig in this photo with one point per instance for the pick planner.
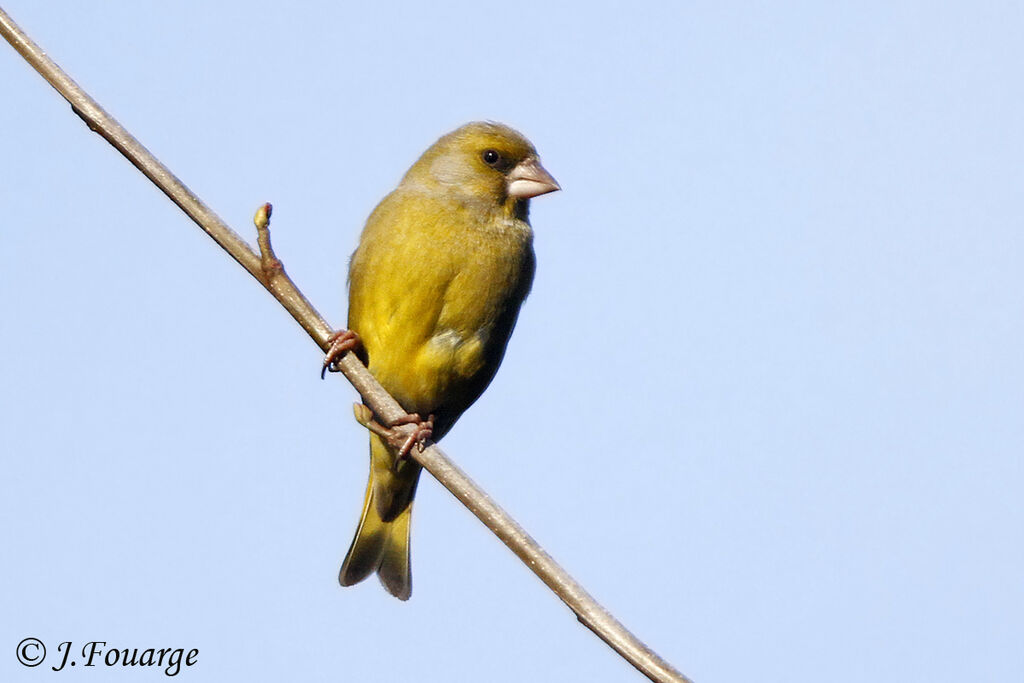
(270, 265)
(267, 269)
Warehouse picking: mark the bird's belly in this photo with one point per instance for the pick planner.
(441, 371)
(452, 353)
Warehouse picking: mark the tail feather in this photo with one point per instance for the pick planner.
(367, 547)
(381, 543)
(395, 570)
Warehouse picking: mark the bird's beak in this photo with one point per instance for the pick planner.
(529, 179)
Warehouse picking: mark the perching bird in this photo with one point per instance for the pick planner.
(435, 286)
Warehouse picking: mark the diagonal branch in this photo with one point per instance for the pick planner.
(268, 270)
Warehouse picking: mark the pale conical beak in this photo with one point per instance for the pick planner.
(529, 179)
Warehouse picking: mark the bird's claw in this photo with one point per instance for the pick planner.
(341, 342)
(417, 438)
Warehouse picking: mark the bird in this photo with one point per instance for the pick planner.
(442, 267)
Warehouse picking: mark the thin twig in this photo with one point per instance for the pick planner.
(268, 270)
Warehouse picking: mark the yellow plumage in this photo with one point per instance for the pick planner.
(435, 286)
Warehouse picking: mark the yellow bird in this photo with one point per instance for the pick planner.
(435, 286)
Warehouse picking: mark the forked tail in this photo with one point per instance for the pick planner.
(381, 543)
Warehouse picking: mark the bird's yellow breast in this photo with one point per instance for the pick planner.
(436, 284)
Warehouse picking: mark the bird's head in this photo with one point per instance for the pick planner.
(483, 162)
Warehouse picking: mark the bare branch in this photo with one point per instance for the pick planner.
(269, 271)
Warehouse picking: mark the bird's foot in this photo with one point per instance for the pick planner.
(418, 437)
(341, 342)
(402, 440)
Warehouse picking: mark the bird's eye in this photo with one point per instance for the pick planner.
(491, 157)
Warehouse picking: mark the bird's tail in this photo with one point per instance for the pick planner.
(381, 543)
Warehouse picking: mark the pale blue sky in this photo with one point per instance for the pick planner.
(765, 400)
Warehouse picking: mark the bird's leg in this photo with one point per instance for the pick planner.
(341, 343)
(402, 440)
